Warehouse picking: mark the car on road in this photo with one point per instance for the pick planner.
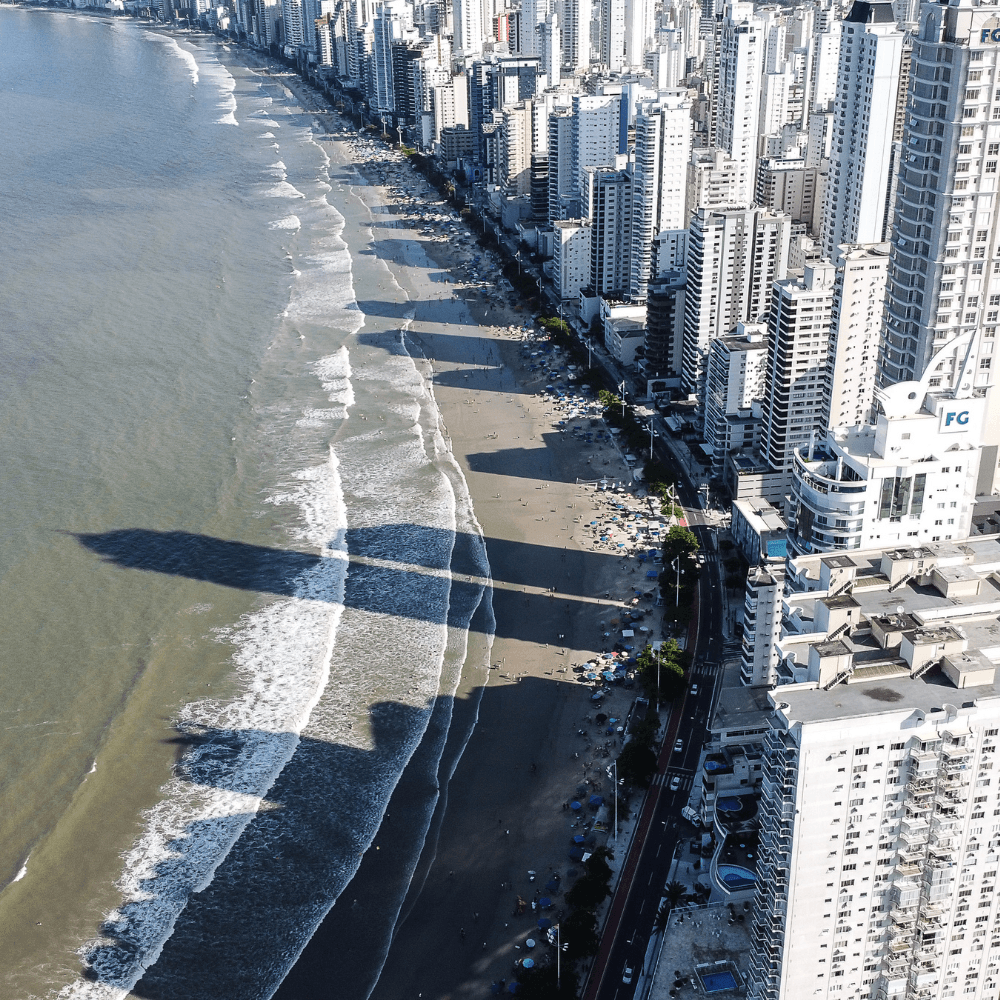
(675, 782)
(678, 746)
(627, 975)
(694, 689)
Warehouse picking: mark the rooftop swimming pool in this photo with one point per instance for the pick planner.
(736, 877)
(716, 982)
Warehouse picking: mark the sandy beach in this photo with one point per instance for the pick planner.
(557, 589)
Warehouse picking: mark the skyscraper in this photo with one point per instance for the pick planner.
(733, 257)
(741, 53)
(662, 151)
(858, 208)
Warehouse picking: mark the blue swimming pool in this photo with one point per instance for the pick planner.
(716, 982)
(736, 877)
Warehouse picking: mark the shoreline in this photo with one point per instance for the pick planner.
(492, 825)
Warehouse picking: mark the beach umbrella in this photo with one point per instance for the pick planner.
(544, 923)
(529, 963)
(597, 696)
(575, 806)
(651, 574)
(596, 801)
(552, 885)
(513, 986)
(530, 943)
(495, 987)
(576, 854)
(545, 902)
(578, 839)
(608, 675)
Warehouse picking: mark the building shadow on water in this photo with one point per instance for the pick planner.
(321, 838)
(395, 570)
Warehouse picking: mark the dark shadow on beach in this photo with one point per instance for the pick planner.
(320, 833)
(416, 591)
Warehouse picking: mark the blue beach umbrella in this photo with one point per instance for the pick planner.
(576, 854)
(528, 963)
(544, 923)
(513, 987)
(596, 801)
(545, 902)
(578, 839)
(575, 806)
(552, 885)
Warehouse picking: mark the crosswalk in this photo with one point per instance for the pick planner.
(663, 780)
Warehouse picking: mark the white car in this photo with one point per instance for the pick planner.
(627, 975)
(678, 746)
(694, 689)
(675, 782)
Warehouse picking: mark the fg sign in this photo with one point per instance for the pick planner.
(954, 420)
(989, 35)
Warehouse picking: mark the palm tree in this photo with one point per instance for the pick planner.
(662, 916)
(675, 893)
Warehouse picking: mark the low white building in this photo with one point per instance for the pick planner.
(909, 479)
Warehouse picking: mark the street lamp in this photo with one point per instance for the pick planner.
(657, 680)
(615, 766)
(622, 388)
(676, 564)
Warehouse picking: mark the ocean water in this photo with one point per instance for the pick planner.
(232, 525)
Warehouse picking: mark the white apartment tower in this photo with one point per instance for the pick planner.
(613, 34)
(944, 276)
(467, 16)
(858, 206)
(659, 195)
(798, 383)
(595, 134)
(733, 257)
(608, 206)
(740, 67)
(856, 322)
(576, 17)
(879, 837)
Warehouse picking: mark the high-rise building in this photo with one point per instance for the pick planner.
(576, 18)
(571, 256)
(664, 343)
(596, 137)
(878, 846)
(860, 181)
(858, 300)
(468, 26)
(735, 387)
(564, 185)
(943, 275)
(608, 206)
(733, 257)
(798, 380)
(612, 22)
(737, 111)
(662, 151)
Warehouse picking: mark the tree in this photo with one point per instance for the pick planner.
(587, 893)
(579, 933)
(637, 764)
(680, 542)
(675, 892)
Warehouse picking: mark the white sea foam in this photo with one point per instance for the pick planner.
(277, 170)
(23, 870)
(283, 190)
(288, 222)
(268, 123)
(174, 47)
(266, 135)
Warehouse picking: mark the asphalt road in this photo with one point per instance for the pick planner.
(688, 722)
